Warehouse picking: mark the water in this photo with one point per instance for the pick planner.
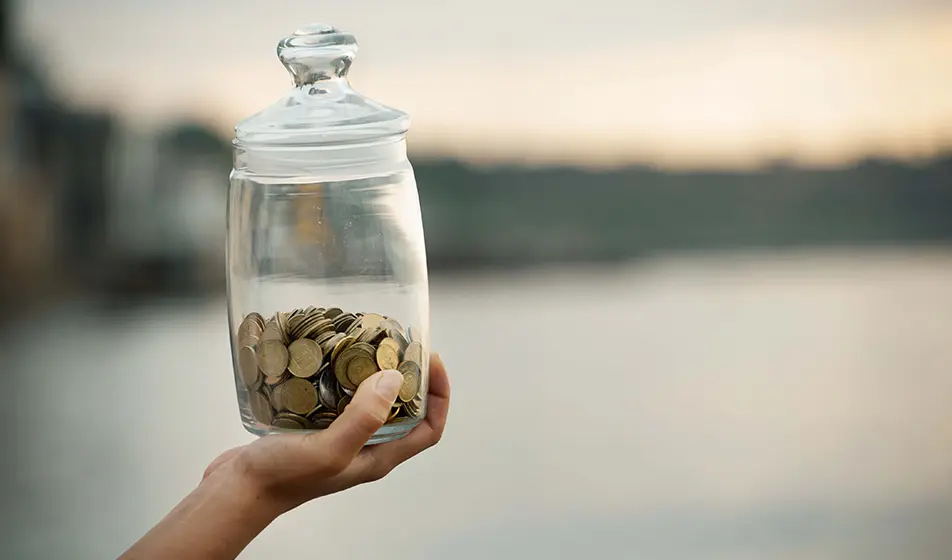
(790, 407)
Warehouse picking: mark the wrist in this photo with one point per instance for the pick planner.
(252, 500)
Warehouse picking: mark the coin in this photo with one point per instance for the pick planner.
(322, 326)
(342, 404)
(340, 367)
(298, 395)
(272, 380)
(249, 331)
(248, 367)
(398, 337)
(271, 332)
(394, 412)
(413, 408)
(282, 319)
(323, 420)
(305, 357)
(411, 380)
(276, 397)
(321, 339)
(328, 345)
(327, 389)
(360, 368)
(260, 407)
(343, 321)
(333, 312)
(387, 341)
(287, 423)
(341, 345)
(387, 357)
(371, 320)
(373, 335)
(414, 353)
(357, 324)
(295, 321)
(364, 347)
(272, 357)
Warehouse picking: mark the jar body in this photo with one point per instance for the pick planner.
(327, 284)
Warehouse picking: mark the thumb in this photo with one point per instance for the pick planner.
(366, 413)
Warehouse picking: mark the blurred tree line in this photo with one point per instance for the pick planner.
(507, 216)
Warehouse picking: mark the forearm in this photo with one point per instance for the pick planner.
(215, 522)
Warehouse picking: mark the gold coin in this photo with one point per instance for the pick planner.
(283, 324)
(272, 357)
(372, 335)
(365, 348)
(276, 396)
(325, 336)
(342, 404)
(249, 331)
(414, 353)
(343, 321)
(341, 363)
(321, 327)
(341, 345)
(392, 344)
(387, 357)
(371, 320)
(355, 327)
(271, 332)
(323, 420)
(287, 423)
(248, 367)
(332, 312)
(261, 407)
(411, 380)
(272, 380)
(301, 422)
(298, 395)
(394, 412)
(328, 345)
(360, 368)
(304, 357)
(294, 322)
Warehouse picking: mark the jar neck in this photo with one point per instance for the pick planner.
(327, 162)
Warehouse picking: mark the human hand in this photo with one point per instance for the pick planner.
(287, 470)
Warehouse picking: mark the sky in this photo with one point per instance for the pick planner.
(694, 83)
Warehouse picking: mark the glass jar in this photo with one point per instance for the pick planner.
(327, 276)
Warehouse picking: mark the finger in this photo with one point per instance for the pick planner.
(222, 459)
(365, 414)
(375, 462)
(439, 380)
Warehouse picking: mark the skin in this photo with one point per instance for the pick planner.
(246, 488)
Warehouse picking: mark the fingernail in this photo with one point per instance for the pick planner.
(389, 384)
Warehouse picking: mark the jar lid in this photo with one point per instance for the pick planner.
(322, 109)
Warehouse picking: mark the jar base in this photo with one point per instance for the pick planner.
(389, 432)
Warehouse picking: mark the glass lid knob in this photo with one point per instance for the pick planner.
(317, 52)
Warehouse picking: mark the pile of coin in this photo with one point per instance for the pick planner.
(301, 368)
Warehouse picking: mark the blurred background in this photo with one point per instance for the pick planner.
(691, 272)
